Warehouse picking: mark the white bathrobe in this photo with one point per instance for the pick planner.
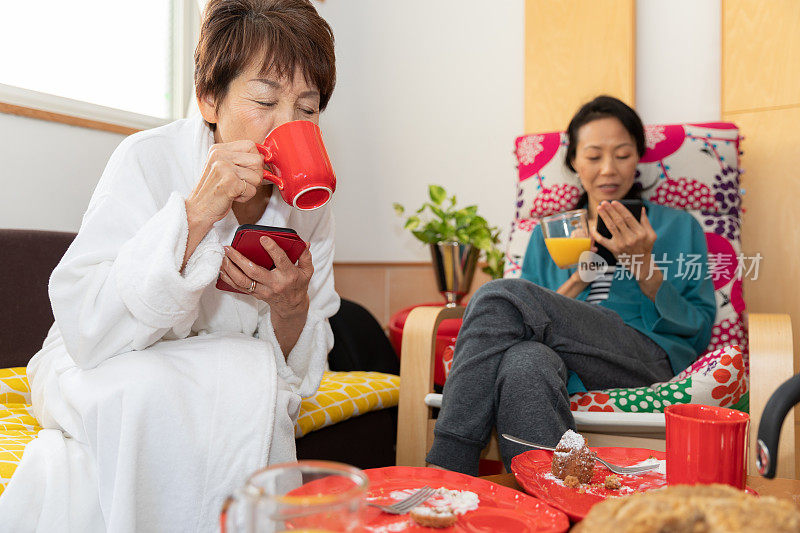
(159, 393)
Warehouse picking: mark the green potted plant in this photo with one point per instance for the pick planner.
(456, 237)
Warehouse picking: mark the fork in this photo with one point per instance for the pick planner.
(405, 505)
(617, 469)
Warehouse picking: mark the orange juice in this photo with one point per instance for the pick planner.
(566, 251)
(312, 499)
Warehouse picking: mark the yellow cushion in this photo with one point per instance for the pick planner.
(17, 424)
(341, 395)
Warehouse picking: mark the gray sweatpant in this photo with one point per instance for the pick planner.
(510, 369)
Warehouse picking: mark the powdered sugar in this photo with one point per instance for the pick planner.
(458, 501)
(443, 502)
(450, 501)
(571, 440)
(391, 528)
(401, 494)
(662, 465)
(424, 510)
(550, 477)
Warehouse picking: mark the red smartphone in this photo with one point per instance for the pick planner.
(247, 241)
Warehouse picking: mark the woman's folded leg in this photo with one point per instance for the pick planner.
(590, 340)
(593, 341)
(530, 387)
(531, 400)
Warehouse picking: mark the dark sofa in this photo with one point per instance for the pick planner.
(366, 441)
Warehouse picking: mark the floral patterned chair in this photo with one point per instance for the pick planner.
(686, 166)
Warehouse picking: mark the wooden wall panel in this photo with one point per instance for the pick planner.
(411, 285)
(364, 285)
(760, 61)
(771, 223)
(574, 51)
(761, 93)
(386, 288)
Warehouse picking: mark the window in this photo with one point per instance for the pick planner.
(115, 60)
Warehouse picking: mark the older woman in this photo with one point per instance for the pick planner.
(159, 392)
(526, 344)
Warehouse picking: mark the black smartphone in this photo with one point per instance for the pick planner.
(265, 229)
(635, 206)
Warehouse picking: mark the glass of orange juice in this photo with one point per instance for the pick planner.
(566, 236)
(298, 497)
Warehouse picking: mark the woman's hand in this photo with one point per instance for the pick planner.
(232, 173)
(285, 288)
(573, 286)
(631, 243)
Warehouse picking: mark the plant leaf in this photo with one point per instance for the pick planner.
(424, 236)
(399, 209)
(412, 223)
(438, 212)
(495, 262)
(484, 243)
(437, 194)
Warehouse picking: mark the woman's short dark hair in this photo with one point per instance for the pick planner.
(602, 107)
(281, 34)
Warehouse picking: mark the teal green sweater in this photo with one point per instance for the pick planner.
(682, 315)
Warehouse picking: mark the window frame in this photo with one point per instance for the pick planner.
(50, 107)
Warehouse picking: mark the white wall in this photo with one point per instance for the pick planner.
(48, 172)
(678, 58)
(428, 92)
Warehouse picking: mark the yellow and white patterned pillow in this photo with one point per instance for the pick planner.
(17, 424)
(341, 395)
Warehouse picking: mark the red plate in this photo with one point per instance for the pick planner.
(532, 470)
(501, 509)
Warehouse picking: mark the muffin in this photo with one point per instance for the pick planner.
(695, 509)
(437, 517)
(573, 458)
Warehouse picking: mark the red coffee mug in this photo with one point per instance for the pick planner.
(706, 445)
(303, 171)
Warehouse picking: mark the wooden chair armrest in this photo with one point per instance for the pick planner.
(771, 363)
(416, 380)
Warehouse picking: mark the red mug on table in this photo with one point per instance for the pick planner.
(706, 444)
(303, 172)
